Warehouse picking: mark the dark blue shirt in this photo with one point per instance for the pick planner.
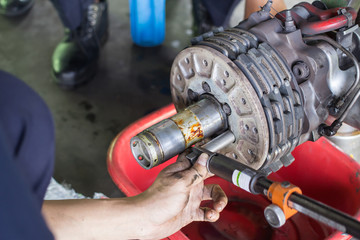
(20, 213)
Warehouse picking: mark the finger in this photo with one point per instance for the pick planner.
(206, 214)
(215, 193)
(182, 158)
(177, 167)
(181, 164)
(183, 155)
(198, 172)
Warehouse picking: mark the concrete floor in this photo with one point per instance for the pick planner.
(131, 82)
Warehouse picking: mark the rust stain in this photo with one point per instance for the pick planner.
(180, 122)
(194, 133)
(190, 126)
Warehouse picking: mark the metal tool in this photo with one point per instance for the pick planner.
(286, 198)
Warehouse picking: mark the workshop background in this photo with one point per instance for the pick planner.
(131, 82)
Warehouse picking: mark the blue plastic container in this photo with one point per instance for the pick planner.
(147, 22)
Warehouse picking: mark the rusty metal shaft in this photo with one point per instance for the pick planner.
(172, 136)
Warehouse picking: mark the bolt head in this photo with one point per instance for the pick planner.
(274, 216)
(227, 109)
(285, 184)
(206, 87)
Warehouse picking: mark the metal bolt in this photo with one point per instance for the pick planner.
(192, 95)
(206, 87)
(255, 130)
(285, 184)
(289, 23)
(227, 109)
(246, 127)
(274, 216)
(301, 70)
(334, 110)
(243, 101)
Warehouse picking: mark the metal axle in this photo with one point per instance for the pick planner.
(172, 136)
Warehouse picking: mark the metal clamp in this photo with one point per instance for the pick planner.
(279, 194)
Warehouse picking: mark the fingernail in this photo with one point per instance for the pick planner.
(220, 207)
(211, 214)
(203, 159)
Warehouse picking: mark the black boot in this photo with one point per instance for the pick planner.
(14, 8)
(74, 61)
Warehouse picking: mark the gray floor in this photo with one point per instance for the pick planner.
(131, 82)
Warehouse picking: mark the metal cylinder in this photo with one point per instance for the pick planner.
(274, 216)
(172, 136)
(220, 142)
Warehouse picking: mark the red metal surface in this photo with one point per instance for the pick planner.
(328, 20)
(320, 170)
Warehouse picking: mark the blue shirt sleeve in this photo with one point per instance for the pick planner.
(20, 214)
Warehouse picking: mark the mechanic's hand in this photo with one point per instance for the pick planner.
(173, 201)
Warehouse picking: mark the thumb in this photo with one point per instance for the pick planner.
(198, 172)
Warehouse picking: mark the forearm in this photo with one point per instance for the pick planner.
(254, 5)
(95, 219)
(170, 203)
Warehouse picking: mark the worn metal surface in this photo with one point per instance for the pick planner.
(161, 141)
(172, 136)
(322, 71)
(190, 126)
(201, 66)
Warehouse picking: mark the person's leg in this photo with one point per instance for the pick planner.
(71, 12)
(75, 58)
(212, 13)
(29, 132)
(220, 11)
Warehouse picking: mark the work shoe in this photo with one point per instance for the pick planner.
(75, 58)
(14, 8)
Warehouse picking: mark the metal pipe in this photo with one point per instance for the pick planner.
(220, 142)
(330, 19)
(325, 214)
(172, 136)
(214, 145)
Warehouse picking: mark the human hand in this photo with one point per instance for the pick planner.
(174, 199)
